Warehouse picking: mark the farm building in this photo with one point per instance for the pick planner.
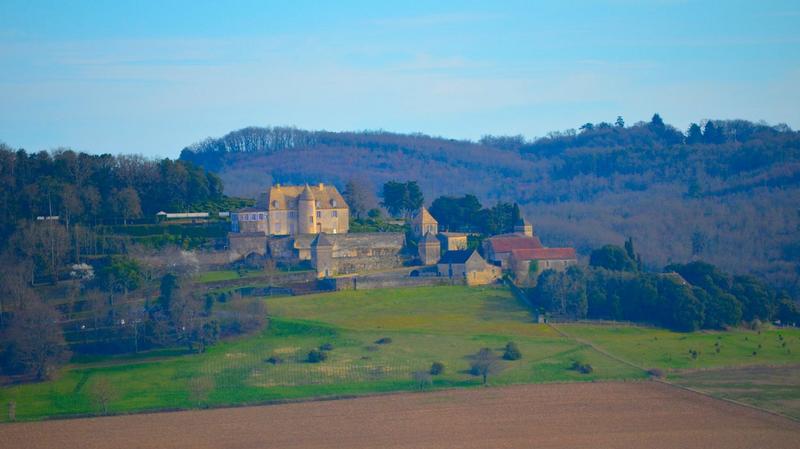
(468, 264)
(527, 264)
(498, 248)
(452, 241)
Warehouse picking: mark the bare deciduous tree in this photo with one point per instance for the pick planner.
(37, 339)
(422, 379)
(485, 363)
(103, 393)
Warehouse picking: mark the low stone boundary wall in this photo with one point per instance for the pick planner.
(279, 279)
(386, 280)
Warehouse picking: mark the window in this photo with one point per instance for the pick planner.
(311, 219)
(317, 203)
(335, 214)
(274, 203)
(333, 203)
(253, 217)
(261, 217)
(319, 214)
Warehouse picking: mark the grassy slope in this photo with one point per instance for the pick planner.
(425, 324)
(667, 350)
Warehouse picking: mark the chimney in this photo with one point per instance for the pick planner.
(278, 185)
(321, 186)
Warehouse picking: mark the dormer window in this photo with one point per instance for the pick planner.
(318, 203)
(274, 203)
(333, 203)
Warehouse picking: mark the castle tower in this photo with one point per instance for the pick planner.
(524, 226)
(429, 249)
(306, 212)
(322, 256)
(423, 223)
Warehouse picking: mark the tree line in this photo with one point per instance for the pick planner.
(126, 307)
(684, 297)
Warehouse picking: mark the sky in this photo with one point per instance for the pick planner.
(154, 77)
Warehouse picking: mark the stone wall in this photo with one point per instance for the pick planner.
(240, 245)
(361, 252)
(384, 280)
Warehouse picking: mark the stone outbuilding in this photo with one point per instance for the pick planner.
(452, 241)
(527, 264)
(244, 244)
(524, 227)
(336, 254)
(498, 248)
(468, 265)
(429, 249)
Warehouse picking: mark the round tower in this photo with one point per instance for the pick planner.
(306, 212)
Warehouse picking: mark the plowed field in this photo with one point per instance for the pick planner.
(607, 415)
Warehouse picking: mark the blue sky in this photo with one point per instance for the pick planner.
(153, 77)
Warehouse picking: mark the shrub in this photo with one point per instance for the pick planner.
(383, 341)
(512, 352)
(655, 372)
(316, 356)
(275, 360)
(326, 347)
(583, 368)
(437, 368)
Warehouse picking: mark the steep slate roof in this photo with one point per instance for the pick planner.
(306, 194)
(456, 256)
(287, 196)
(505, 243)
(252, 209)
(544, 254)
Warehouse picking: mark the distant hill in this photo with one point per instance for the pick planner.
(727, 192)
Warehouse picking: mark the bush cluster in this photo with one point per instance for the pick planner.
(583, 368)
(511, 351)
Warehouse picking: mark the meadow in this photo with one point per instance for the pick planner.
(376, 340)
(423, 325)
(674, 351)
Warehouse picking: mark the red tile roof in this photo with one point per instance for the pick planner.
(509, 242)
(544, 254)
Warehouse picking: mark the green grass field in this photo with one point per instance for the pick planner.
(426, 324)
(671, 351)
(445, 324)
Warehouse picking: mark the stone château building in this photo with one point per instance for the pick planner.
(293, 210)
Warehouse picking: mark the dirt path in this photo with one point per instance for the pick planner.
(607, 415)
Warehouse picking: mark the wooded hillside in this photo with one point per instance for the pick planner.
(724, 191)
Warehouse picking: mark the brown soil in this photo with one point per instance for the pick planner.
(607, 415)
